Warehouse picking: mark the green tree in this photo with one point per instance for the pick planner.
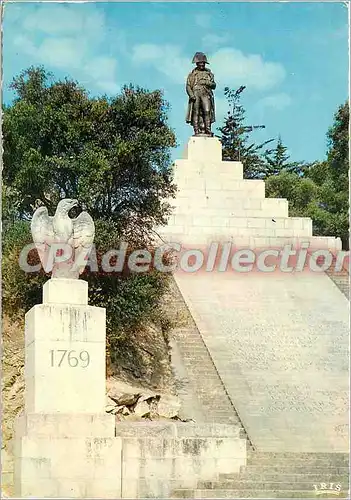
(331, 212)
(235, 135)
(320, 190)
(277, 159)
(300, 192)
(338, 149)
(111, 154)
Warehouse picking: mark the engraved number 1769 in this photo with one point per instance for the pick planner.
(61, 357)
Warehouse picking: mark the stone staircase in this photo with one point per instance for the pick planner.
(199, 386)
(280, 475)
(341, 279)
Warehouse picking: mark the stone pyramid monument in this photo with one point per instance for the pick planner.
(215, 203)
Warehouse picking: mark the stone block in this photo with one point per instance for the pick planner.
(104, 488)
(238, 222)
(33, 467)
(207, 448)
(69, 463)
(194, 467)
(207, 149)
(256, 222)
(65, 291)
(65, 359)
(156, 488)
(218, 194)
(51, 322)
(34, 487)
(206, 430)
(148, 429)
(71, 488)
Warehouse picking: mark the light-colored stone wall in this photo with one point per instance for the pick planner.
(60, 456)
(161, 457)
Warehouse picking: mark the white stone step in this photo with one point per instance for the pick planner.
(210, 170)
(233, 190)
(282, 226)
(227, 212)
(217, 183)
(252, 242)
(241, 207)
(248, 322)
(230, 231)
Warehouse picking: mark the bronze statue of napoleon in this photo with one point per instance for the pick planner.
(199, 87)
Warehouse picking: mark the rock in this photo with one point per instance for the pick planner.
(142, 409)
(168, 406)
(153, 404)
(110, 409)
(123, 394)
(149, 395)
(123, 410)
(126, 399)
(110, 405)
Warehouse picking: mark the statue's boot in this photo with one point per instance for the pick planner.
(208, 126)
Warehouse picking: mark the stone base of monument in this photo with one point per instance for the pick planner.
(66, 446)
(64, 442)
(215, 203)
(67, 456)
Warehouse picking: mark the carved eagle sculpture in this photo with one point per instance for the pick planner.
(63, 244)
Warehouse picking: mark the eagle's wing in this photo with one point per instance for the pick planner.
(43, 236)
(83, 237)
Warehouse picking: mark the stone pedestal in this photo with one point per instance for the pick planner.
(65, 351)
(64, 441)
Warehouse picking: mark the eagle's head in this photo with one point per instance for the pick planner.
(65, 206)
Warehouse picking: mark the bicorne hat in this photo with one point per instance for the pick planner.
(200, 57)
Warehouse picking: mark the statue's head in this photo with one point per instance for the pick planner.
(66, 204)
(200, 60)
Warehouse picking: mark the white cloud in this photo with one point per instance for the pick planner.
(275, 101)
(203, 20)
(70, 38)
(233, 67)
(104, 69)
(167, 59)
(148, 52)
(61, 52)
(64, 19)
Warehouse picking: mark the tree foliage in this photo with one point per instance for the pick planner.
(235, 137)
(321, 191)
(111, 154)
(277, 160)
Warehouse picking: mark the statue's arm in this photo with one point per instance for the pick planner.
(189, 88)
(212, 83)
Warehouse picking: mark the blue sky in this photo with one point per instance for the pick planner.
(292, 57)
